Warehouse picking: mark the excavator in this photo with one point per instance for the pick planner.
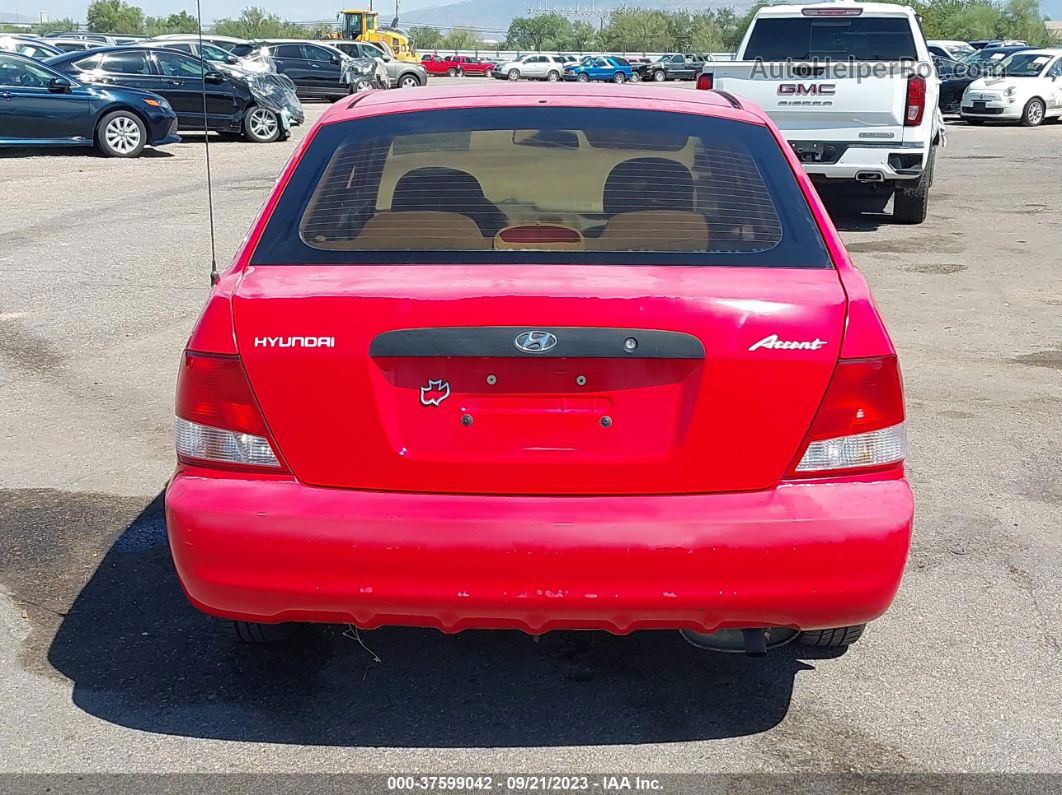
(363, 25)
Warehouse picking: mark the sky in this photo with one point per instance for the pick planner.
(300, 10)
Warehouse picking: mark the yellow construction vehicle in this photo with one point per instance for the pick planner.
(363, 25)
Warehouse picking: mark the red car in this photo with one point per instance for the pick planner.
(456, 65)
(543, 358)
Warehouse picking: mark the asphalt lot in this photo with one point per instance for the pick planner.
(104, 667)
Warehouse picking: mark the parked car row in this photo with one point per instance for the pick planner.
(612, 68)
(1008, 83)
(41, 106)
(159, 87)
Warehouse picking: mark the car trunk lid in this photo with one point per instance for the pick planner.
(545, 380)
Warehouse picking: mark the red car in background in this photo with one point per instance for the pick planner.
(456, 65)
(540, 358)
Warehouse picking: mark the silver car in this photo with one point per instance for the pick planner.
(533, 67)
(401, 74)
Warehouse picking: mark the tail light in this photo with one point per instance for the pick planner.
(705, 81)
(218, 420)
(860, 423)
(916, 101)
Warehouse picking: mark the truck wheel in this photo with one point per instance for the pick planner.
(1033, 115)
(910, 205)
(583, 77)
(409, 81)
(659, 76)
(553, 76)
(451, 72)
(254, 633)
(619, 77)
(842, 636)
(121, 134)
(514, 74)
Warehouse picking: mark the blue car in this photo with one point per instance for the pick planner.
(599, 67)
(41, 107)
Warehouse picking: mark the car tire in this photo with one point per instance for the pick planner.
(619, 77)
(635, 77)
(1033, 113)
(261, 125)
(553, 76)
(974, 122)
(452, 72)
(832, 638)
(583, 77)
(121, 133)
(513, 74)
(254, 633)
(910, 205)
(659, 76)
(409, 81)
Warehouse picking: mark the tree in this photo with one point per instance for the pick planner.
(582, 36)
(533, 33)
(426, 38)
(462, 39)
(114, 16)
(256, 23)
(181, 22)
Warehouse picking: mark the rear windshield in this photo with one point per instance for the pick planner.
(543, 185)
(836, 38)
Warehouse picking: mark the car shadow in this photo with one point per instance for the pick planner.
(847, 219)
(72, 151)
(138, 655)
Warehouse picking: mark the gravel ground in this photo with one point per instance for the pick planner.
(103, 666)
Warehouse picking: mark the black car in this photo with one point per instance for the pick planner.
(315, 69)
(232, 107)
(41, 107)
(673, 66)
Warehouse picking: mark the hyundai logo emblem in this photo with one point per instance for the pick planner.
(535, 341)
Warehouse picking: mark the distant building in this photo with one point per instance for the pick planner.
(1054, 27)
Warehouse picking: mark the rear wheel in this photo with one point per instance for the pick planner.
(911, 204)
(553, 76)
(832, 638)
(659, 76)
(1033, 115)
(261, 125)
(255, 633)
(619, 77)
(514, 74)
(583, 77)
(121, 134)
(451, 72)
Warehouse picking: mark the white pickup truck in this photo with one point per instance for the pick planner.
(853, 89)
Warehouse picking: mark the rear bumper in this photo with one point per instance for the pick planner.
(857, 160)
(807, 556)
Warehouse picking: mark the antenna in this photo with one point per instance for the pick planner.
(206, 144)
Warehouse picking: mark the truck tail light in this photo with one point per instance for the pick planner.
(705, 81)
(219, 423)
(860, 423)
(831, 12)
(916, 101)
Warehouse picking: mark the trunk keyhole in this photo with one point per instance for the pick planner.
(466, 420)
(606, 421)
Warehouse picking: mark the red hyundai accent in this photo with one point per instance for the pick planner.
(543, 358)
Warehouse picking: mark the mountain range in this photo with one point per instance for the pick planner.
(492, 17)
